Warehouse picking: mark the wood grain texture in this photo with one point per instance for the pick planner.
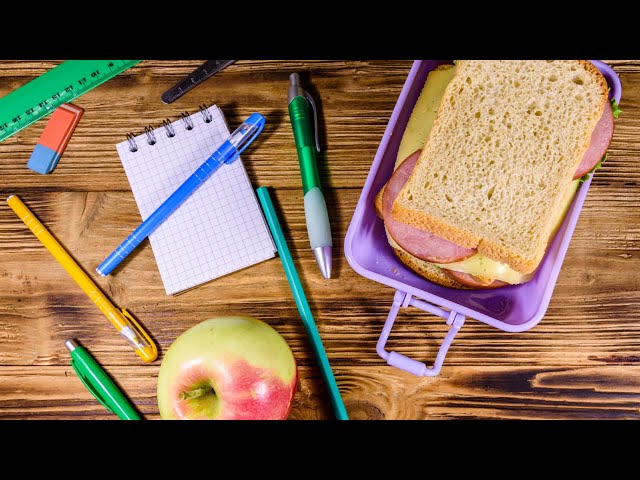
(581, 361)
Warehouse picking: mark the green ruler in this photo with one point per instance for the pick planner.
(59, 85)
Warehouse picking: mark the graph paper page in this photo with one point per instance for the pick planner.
(220, 228)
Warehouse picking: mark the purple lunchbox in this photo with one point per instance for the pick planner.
(513, 309)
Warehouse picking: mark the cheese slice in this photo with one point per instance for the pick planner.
(424, 112)
(480, 265)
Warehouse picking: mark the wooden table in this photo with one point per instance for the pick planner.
(581, 361)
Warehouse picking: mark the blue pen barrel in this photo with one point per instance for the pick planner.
(146, 228)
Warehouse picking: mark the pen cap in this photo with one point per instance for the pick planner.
(242, 137)
(96, 380)
(138, 338)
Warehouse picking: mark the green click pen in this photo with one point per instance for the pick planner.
(99, 384)
(304, 121)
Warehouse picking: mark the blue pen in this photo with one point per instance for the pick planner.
(226, 153)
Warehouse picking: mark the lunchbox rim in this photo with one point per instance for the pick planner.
(616, 90)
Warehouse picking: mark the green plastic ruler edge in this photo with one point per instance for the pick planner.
(61, 84)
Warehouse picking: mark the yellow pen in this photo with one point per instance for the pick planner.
(122, 320)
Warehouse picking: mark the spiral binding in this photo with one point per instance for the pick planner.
(151, 137)
(206, 114)
(186, 118)
(133, 146)
(169, 128)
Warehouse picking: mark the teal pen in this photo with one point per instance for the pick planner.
(304, 122)
(99, 384)
(302, 303)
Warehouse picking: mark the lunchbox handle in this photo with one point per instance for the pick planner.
(395, 359)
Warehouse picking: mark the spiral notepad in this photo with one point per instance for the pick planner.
(220, 228)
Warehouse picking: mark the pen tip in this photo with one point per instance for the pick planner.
(324, 257)
(10, 197)
(71, 345)
(294, 78)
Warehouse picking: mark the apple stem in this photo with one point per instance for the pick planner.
(198, 392)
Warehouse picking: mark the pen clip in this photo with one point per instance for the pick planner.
(90, 387)
(256, 121)
(315, 117)
(141, 331)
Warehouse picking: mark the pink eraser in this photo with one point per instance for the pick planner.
(60, 127)
(54, 138)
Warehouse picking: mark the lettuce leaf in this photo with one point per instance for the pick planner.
(586, 176)
(616, 108)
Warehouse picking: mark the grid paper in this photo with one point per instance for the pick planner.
(220, 228)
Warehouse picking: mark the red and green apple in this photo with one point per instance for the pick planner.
(228, 368)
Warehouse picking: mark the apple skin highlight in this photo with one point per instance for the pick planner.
(228, 368)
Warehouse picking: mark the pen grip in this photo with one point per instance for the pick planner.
(154, 220)
(317, 217)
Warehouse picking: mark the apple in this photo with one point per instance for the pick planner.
(228, 368)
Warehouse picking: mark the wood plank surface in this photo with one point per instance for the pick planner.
(581, 361)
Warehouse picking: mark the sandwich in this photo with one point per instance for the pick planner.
(488, 165)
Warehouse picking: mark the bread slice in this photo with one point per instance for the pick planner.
(505, 144)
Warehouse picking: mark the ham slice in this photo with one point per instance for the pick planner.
(600, 140)
(423, 245)
(472, 281)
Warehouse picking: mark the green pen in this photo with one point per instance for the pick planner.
(305, 132)
(99, 384)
